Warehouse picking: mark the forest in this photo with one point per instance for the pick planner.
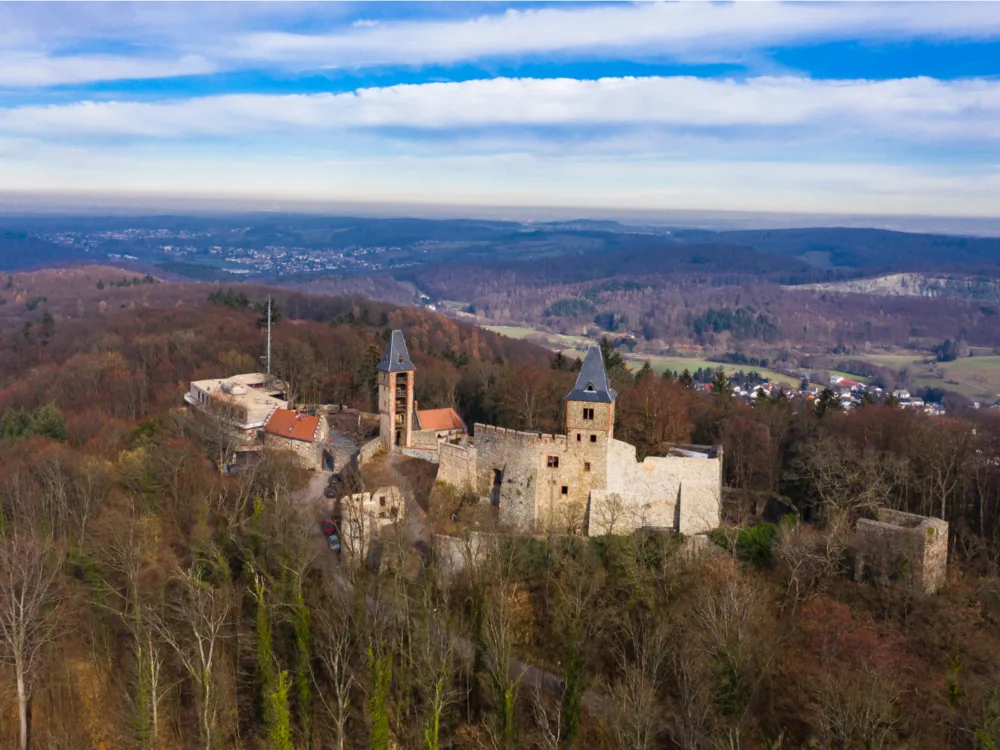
(147, 601)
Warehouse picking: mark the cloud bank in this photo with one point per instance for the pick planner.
(922, 108)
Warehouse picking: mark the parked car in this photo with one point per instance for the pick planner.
(331, 533)
(335, 478)
(331, 491)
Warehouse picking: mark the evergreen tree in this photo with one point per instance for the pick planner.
(48, 422)
(645, 371)
(827, 402)
(369, 373)
(613, 361)
(14, 423)
(685, 379)
(559, 362)
(100, 284)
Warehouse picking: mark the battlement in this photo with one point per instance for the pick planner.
(488, 431)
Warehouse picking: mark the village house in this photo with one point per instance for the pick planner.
(303, 434)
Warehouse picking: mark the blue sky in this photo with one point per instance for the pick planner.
(852, 107)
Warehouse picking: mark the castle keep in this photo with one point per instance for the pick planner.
(584, 481)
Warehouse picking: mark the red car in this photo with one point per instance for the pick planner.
(330, 532)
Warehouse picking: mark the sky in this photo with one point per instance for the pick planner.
(817, 108)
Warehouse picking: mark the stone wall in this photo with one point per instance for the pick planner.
(423, 455)
(911, 547)
(453, 554)
(369, 450)
(515, 455)
(364, 514)
(457, 466)
(309, 455)
(677, 491)
(425, 440)
(626, 512)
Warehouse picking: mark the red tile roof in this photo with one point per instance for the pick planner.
(292, 424)
(440, 419)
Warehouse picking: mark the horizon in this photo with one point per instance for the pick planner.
(18, 207)
(867, 111)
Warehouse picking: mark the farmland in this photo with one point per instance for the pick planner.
(574, 346)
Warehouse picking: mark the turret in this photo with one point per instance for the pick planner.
(590, 406)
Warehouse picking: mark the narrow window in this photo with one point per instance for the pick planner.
(593, 438)
(565, 490)
(588, 413)
(552, 462)
(381, 501)
(578, 437)
(586, 465)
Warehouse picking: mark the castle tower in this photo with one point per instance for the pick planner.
(395, 394)
(590, 406)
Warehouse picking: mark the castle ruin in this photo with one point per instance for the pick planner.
(584, 481)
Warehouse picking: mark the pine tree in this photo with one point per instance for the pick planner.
(48, 422)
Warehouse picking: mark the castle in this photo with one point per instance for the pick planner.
(584, 481)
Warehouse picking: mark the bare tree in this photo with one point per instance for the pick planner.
(30, 598)
(503, 678)
(632, 705)
(130, 549)
(199, 618)
(338, 651)
(434, 658)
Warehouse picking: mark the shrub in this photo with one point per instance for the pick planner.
(751, 544)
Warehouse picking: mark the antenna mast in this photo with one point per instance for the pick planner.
(269, 334)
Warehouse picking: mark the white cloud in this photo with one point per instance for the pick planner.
(25, 70)
(681, 29)
(920, 108)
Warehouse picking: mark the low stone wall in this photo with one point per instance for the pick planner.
(369, 450)
(423, 455)
(453, 554)
(911, 547)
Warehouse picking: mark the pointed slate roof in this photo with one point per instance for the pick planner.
(592, 382)
(395, 358)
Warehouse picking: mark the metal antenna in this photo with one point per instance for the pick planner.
(269, 334)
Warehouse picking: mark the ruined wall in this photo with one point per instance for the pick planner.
(516, 455)
(626, 512)
(677, 491)
(905, 545)
(534, 495)
(369, 450)
(457, 466)
(425, 440)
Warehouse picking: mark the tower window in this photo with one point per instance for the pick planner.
(586, 465)
(578, 438)
(593, 438)
(588, 413)
(565, 490)
(552, 462)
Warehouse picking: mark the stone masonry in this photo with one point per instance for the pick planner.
(585, 481)
(911, 547)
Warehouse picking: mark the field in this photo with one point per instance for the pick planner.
(679, 364)
(574, 346)
(977, 378)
